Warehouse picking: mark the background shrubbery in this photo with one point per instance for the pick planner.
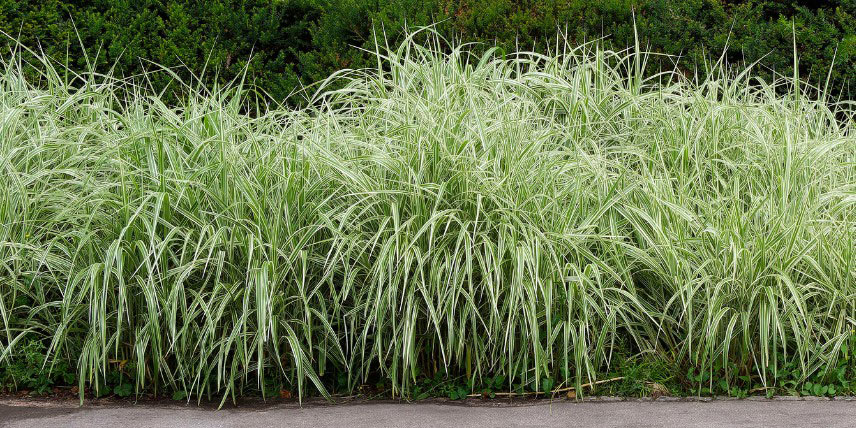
(294, 41)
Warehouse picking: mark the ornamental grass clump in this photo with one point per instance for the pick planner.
(525, 215)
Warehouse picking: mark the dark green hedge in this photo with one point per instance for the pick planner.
(294, 41)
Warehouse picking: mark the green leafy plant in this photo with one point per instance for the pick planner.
(31, 371)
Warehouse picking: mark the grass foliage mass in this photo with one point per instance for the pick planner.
(521, 217)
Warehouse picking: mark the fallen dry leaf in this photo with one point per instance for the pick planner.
(658, 390)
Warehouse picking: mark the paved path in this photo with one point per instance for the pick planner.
(716, 413)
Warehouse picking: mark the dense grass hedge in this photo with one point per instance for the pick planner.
(520, 221)
(294, 41)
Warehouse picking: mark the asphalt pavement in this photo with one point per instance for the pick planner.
(22, 413)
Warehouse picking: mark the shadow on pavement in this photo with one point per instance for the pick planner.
(9, 414)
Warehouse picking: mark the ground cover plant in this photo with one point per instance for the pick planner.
(443, 224)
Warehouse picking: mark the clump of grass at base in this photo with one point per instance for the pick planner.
(523, 217)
